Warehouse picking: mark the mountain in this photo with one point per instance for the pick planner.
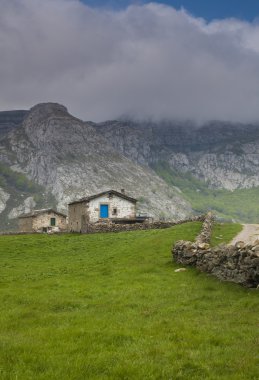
(52, 158)
(49, 158)
(223, 155)
(216, 165)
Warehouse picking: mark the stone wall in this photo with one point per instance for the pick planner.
(81, 214)
(206, 230)
(238, 263)
(102, 227)
(77, 214)
(25, 224)
(42, 220)
(113, 227)
(124, 208)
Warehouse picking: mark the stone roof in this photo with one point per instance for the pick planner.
(112, 192)
(34, 213)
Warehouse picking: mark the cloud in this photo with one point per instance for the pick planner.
(146, 61)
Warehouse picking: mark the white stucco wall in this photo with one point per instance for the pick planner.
(125, 208)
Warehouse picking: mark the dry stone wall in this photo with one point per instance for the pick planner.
(116, 227)
(238, 263)
(101, 227)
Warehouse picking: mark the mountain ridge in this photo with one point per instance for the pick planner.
(173, 168)
(69, 159)
(222, 155)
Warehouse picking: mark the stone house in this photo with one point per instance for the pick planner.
(44, 220)
(109, 205)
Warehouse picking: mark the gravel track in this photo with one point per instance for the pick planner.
(249, 234)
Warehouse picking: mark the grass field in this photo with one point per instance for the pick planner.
(224, 233)
(110, 306)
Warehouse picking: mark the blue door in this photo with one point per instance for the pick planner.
(104, 211)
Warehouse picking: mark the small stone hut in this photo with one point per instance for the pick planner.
(109, 205)
(44, 220)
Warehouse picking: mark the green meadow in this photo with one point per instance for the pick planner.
(111, 306)
(238, 205)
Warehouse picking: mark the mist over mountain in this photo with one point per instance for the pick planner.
(145, 61)
(10, 120)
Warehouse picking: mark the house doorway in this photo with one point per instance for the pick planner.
(104, 211)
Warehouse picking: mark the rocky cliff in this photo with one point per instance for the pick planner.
(224, 155)
(48, 158)
(68, 159)
(215, 165)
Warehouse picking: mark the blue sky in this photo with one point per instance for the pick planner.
(208, 9)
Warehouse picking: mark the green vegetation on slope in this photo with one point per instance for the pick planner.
(241, 205)
(110, 306)
(20, 187)
(19, 181)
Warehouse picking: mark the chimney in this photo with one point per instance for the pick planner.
(122, 191)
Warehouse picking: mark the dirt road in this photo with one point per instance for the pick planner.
(248, 235)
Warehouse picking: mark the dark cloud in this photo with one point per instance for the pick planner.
(147, 61)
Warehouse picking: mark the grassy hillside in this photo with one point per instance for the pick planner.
(110, 306)
(240, 205)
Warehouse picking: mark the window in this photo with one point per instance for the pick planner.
(52, 221)
(114, 211)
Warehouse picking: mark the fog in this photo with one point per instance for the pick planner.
(146, 61)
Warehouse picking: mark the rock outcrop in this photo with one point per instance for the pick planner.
(70, 159)
(4, 196)
(27, 206)
(224, 155)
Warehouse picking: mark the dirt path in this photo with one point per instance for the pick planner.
(248, 235)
